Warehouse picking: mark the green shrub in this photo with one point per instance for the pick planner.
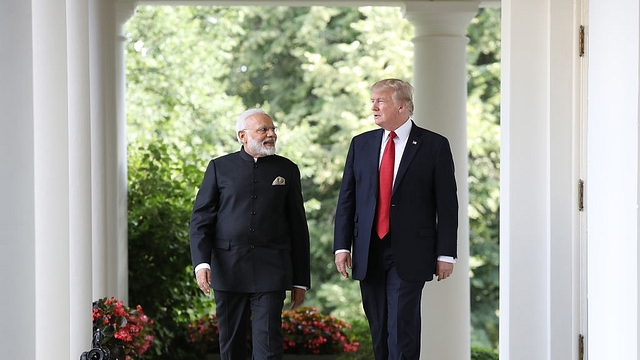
(360, 331)
(478, 353)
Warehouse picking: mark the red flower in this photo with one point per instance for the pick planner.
(127, 332)
(203, 332)
(305, 331)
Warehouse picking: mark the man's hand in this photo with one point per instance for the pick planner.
(443, 269)
(343, 261)
(203, 276)
(297, 297)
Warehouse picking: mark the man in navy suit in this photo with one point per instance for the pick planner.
(250, 240)
(396, 231)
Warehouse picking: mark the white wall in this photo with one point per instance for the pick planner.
(524, 181)
(539, 217)
(17, 198)
(612, 179)
(541, 165)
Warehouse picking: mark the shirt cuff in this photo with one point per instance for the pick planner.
(448, 259)
(342, 251)
(201, 266)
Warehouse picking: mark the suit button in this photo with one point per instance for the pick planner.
(253, 247)
(253, 213)
(252, 230)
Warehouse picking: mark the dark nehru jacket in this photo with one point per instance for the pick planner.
(249, 224)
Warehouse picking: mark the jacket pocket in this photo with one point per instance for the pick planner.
(222, 244)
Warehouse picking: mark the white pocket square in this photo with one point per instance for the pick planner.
(278, 181)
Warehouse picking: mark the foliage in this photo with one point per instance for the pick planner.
(160, 198)
(483, 106)
(204, 334)
(127, 332)
(305, 331)
(479, 353)
(176, 70)
(360, 330)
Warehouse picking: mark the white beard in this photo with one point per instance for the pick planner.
(257, 147)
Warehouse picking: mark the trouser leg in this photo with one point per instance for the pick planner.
(266, 325)
(391, 305)
(404, 301)
(233, 313)
(374, 299)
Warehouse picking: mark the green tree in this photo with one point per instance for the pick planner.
(483, 59)
(161, 279)
(176, 67)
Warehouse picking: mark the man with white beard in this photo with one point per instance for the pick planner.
(250, 240)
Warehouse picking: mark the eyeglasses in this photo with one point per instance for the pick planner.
(263, 129)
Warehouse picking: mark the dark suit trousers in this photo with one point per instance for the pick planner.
(392, 306)
(260, 312)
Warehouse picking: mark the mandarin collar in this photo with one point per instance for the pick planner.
(245, 156)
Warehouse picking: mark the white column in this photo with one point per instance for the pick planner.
(102, 32)
(564, 172)
(98, 154)
(612, 179)
(17, 183)
(80, 177)
(109, 147)
(440, 100)
(45, 208)
(124, 11)
(51, 174)
(524, 181)
(540, 157)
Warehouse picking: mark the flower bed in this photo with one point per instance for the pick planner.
(305, 331)
(127, 332)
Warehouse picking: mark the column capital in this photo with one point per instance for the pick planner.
(125, 9)
(445, 18)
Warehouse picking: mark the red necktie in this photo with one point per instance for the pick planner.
(385, 186)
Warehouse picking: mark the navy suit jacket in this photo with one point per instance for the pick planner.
(249, 224)
(424, 204)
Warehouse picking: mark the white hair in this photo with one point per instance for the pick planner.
(241, 124)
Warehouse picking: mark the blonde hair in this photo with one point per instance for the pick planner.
(402, 91)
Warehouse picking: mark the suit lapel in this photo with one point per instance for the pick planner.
(410, 149)
(371, 160)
